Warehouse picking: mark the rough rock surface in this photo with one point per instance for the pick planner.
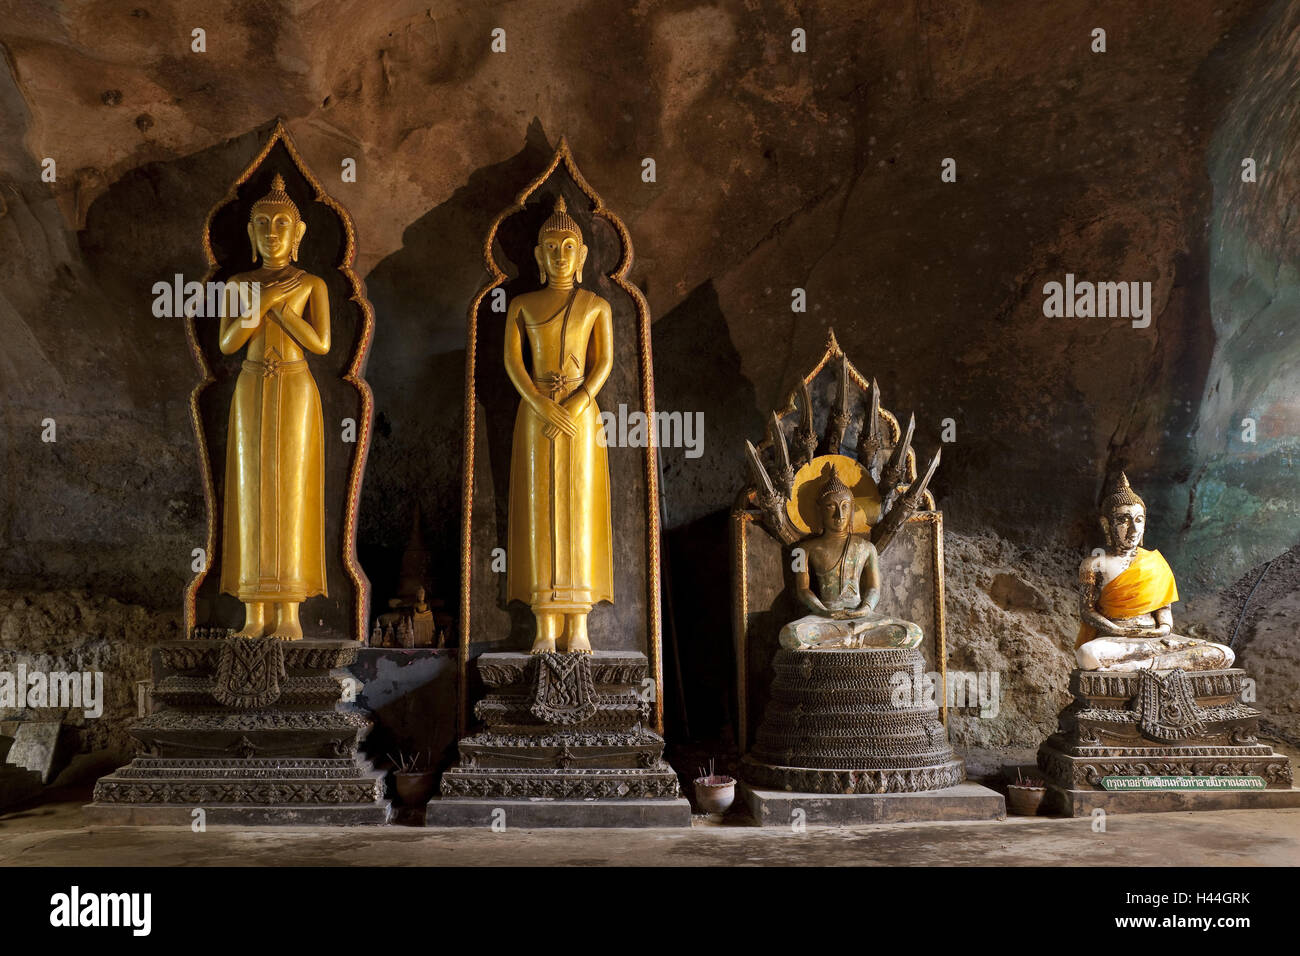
(75, 631)
(1260, 615)
(1029, 649)
(774, 171)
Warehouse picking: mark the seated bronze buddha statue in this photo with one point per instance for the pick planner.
(847, 570)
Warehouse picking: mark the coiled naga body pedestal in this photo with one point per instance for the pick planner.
(851, 721)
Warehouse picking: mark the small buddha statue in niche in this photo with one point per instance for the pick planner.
(1125, 598)
(422, 620)
(847, 569)
(559, 353)
(273, 541)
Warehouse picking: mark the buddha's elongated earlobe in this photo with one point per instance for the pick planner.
(582, 260)
(252, 243)
(299, 233)
(541, 269)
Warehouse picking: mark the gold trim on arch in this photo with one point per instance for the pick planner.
(562, 156)
(353, 376)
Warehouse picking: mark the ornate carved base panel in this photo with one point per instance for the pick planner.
(253, 728)
(1141, 724)
(564, 750)
(588, 784)
(1085, 771)
(198, 783)
(810, 780)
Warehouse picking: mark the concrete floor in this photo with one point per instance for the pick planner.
(54, 834)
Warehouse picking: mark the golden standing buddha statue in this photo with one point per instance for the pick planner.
(274, 517)
(560, 556)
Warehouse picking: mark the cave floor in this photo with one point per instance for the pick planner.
(54, 834)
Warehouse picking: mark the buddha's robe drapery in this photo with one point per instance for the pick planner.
(274, 518)
(561, 558)
(1146, 585)
(838, 589)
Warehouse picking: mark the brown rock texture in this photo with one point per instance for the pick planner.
(75, 631)
(774, 170)
(1029, 649)
(1260, 615)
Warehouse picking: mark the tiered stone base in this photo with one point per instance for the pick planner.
(250, 732)
(1166, 724)
(844, 722)
(563, 744)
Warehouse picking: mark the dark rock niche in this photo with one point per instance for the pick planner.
(494, 625)
(775, 171)
(325, 252)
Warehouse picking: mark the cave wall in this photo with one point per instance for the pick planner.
(774, 171)
(1242, 505)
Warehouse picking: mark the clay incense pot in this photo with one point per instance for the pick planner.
(414, 789)
(1025, 797)
(715, 793)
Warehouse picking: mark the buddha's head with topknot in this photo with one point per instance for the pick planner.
(835, 502)
(1123, 516)
(275, 228)
(560, 251)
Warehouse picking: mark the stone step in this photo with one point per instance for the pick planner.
(965, 801)
(496, 813)
(227, 782)
(558, 784)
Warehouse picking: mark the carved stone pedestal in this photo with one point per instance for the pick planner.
(1126, 730)
(563, 744)
(838, 721)
(250, 731)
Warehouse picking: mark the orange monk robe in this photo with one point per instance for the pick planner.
(1144, 586)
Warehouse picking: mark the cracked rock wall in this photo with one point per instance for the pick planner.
(774, 171)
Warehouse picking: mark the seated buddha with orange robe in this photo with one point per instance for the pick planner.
(1125, 598)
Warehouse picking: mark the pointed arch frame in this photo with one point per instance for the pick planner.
(563, 156)
(353, 376)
